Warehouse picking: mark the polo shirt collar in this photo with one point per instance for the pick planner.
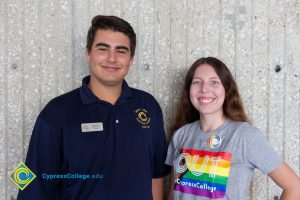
(87, 97)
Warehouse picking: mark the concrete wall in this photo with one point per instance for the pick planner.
(42, 55)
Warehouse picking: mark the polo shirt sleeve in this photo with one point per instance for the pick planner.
(160, 169)
(43, 157)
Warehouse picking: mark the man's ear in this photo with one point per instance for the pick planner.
(87, 56)
(131, 61)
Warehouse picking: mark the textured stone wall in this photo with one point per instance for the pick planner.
(42, 47)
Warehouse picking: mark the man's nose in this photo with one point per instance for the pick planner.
(111, 56)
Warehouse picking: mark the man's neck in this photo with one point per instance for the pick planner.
(106, 93)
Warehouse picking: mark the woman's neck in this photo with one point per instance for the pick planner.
(211, 123)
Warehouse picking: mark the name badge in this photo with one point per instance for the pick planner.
(91, 127)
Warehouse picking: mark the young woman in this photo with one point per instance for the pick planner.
(214, 149)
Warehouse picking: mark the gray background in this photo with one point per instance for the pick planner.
(42, 55)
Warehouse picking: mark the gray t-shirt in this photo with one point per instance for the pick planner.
(218, 164)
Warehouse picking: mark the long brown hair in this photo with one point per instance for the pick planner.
(232, 107)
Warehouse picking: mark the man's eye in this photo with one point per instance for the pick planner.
(122, 51)
(102, 49)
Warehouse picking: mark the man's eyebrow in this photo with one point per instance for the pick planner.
(123, 47)
(102, 44)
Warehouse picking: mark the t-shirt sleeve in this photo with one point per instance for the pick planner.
(260, 153)
(160, 169)
(173, 150)
(43, 157)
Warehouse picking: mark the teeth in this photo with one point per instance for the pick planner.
(205, 100)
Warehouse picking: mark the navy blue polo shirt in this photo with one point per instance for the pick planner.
(121, 147)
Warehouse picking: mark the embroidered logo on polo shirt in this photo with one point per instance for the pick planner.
(142, 117)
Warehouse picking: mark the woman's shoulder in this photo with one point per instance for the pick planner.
(188, 127)
(185, 130)
(244, 128)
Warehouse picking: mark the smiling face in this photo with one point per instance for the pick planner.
(207, 93)
(109, 58)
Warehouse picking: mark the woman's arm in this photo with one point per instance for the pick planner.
(288, 180)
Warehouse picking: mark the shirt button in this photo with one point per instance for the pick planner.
(117, 121)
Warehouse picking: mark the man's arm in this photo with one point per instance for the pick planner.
(43, 157)
(158, 188)
(171, 185)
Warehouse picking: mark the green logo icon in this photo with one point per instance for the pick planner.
(22, 176)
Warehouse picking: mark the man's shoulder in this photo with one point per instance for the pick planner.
(142, 94)
(60, 103)
(144, 97)
(66, 98)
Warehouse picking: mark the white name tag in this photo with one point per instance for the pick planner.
(90, 127)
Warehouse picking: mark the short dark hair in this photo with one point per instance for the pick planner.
(111, 23)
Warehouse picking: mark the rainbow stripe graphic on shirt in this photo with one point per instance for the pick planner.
(202, 173)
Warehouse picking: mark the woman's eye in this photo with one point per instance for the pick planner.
(196, 82)
(214, 82)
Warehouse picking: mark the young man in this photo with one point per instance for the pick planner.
(106, 131)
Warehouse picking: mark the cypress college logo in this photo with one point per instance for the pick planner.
(142, 117)
(22, 176)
